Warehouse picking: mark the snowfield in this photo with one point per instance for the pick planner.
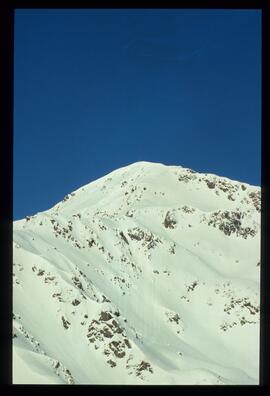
(149, 275)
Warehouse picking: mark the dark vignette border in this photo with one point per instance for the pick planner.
(265, 215)
(7, 11)
(6, 193)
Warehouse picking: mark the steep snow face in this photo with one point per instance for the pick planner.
(149, 275)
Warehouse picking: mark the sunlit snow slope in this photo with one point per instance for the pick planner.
(149, 275)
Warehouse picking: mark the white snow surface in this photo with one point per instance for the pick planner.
(148, 275)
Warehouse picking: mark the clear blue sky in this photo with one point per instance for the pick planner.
(99, 89)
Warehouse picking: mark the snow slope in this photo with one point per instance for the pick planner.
(149, 275)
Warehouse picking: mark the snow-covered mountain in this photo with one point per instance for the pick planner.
(149, 275)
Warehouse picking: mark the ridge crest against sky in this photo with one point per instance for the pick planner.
(97, 89)
(148, 276)
(153, 174)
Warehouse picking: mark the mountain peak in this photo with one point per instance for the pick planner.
(151, 271)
